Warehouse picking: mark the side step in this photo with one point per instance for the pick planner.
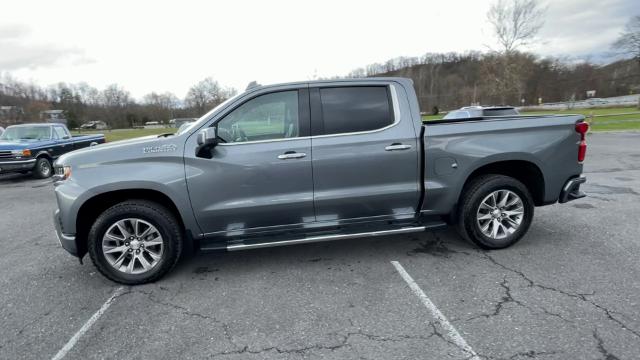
(312, 239)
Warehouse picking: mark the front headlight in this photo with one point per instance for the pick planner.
(21, 153)
(62, 172)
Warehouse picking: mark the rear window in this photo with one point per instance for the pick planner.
(500, 112)
(354, 109)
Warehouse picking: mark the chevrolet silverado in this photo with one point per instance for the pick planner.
(312, 161)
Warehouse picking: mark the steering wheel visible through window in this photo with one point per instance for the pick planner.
(266, 117)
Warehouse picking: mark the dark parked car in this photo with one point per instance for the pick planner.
(312, 161)
(34, 147)
(469, 112)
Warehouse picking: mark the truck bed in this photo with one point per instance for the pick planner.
(456, 148)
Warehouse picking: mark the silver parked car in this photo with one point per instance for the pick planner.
(469, 112)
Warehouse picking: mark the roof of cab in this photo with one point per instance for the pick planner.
(327, 81)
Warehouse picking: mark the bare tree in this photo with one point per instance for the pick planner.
(207, 94)
(629, 41)
(515, 22)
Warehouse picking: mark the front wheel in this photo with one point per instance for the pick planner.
(43, 168)
(135, 242)
(495, 211)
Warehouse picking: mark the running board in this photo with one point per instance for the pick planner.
(312, 239)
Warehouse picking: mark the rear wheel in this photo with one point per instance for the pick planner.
(135, 242)
(495, 211)
(43, 168)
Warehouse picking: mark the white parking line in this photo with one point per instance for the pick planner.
(442, 320)
(72, 342)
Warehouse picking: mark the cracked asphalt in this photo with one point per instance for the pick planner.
(569, 290)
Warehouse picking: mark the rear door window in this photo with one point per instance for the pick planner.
(355, 109)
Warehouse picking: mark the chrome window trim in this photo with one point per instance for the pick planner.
(396, 115)
(264, 141)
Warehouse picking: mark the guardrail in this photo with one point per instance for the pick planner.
(610, 118)
(620, 114)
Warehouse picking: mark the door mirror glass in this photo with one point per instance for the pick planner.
(208, 137)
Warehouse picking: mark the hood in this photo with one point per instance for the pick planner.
(22, 144)
(123, 150)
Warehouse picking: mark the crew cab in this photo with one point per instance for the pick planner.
(312, 161)
(34, 147)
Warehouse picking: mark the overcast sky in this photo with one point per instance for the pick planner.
(170, 45)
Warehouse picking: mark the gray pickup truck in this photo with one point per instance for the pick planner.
(312, 161)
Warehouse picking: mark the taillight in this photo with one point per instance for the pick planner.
(582, 128)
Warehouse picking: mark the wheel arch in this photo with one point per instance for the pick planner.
(527, 172)
(89, 211)
(45, 154)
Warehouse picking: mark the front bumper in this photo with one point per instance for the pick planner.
(17, 165)
(68, 242)
(571, 190)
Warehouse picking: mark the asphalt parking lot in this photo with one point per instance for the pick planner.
(569, 290)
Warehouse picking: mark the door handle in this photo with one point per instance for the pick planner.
(397, 146)
(291, 155)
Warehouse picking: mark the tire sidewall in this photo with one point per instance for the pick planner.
(110, 217)
(37, 169)
(470, 212)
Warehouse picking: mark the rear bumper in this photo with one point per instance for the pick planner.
(17, 165)
(571, 190)
(68, 242)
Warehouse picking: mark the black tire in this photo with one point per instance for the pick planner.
(155, 214)
(472, 196)
(43, 168)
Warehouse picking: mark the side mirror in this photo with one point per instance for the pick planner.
(207, 138)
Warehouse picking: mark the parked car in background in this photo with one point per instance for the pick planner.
(468, 112)
(307, 162)
(176, 123)
(94, 125)
(597, 101)
(34, 147)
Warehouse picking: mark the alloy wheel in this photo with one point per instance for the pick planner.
(132, 246)
(500, 214)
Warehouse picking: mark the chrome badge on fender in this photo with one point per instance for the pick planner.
(159, 149)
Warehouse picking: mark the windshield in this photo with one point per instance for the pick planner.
(222, 105)
(26, 133)
(184, 127)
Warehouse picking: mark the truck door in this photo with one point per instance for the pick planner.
(365, 153)
(259, 175)
(63, 141)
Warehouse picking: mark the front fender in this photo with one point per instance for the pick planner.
(166, 177)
